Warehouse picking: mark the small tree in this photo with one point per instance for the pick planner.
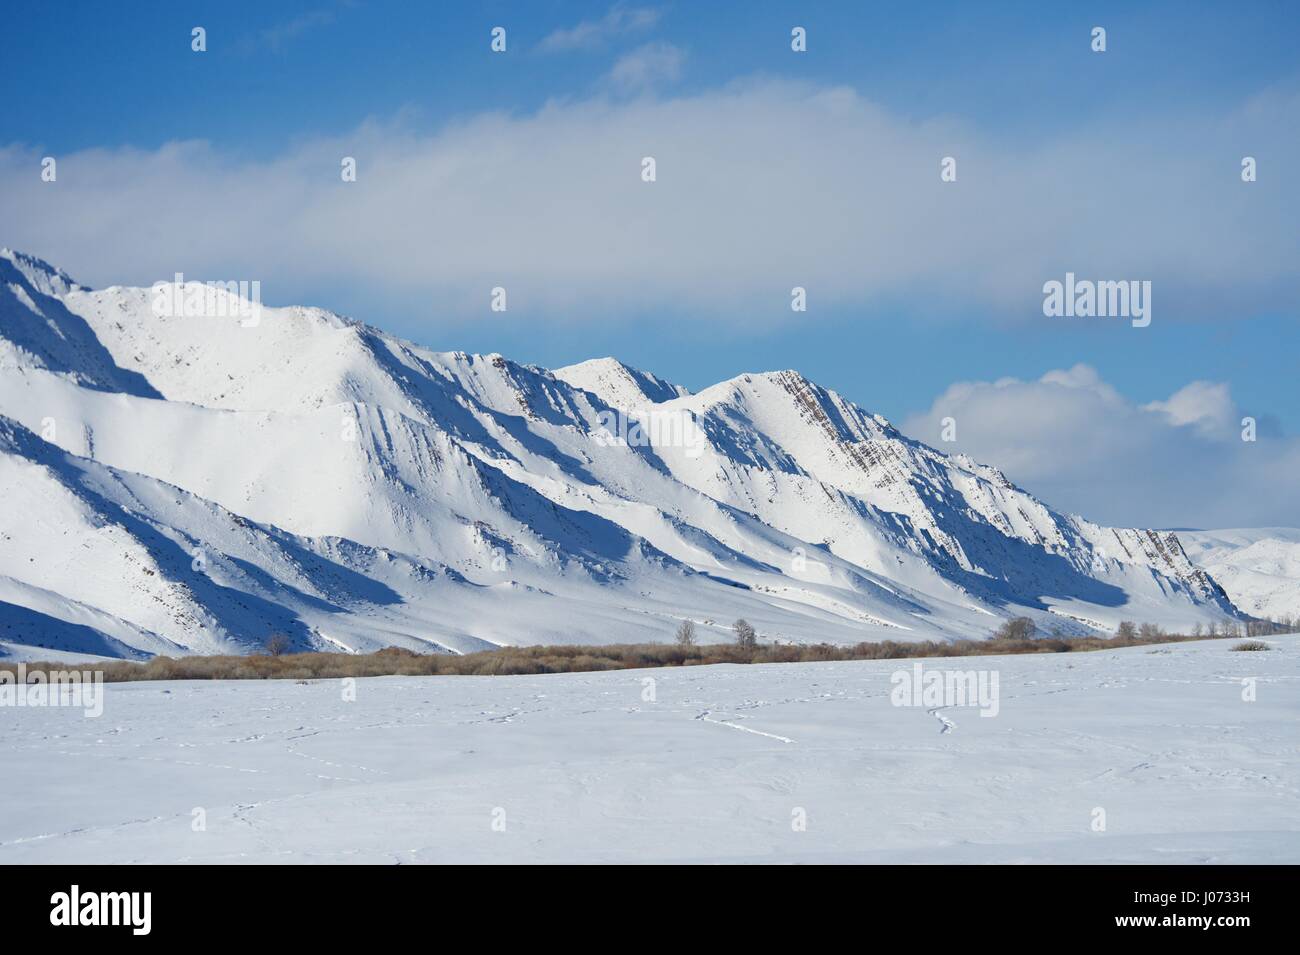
(686, 634)
(276, 644)
(1017, 628)
(746, 636)
(1150, 631)
(1126, 631)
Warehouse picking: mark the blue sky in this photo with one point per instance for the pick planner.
(1145, 141)
(277, 71)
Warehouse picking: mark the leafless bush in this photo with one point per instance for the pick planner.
(1017, 628)
(1252, 645)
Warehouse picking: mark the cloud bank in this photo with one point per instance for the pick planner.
(1076, 442)
(761, 186)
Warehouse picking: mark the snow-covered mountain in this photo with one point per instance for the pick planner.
(1258, 567)
(175, 484)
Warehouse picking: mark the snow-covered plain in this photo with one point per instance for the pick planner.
(583, 768)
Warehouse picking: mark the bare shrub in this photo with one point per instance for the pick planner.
(1017, 628)
(746, 636)
(1252, 645)
(685, 636)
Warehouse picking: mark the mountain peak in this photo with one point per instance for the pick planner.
(619, 385)
(42, 276)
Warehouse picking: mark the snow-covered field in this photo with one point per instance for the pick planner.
(721, 765)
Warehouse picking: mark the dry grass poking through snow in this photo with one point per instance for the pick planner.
(395, 661)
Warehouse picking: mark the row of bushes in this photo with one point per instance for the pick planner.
(395, 661)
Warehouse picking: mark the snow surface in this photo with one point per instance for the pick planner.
(586, 769)
(196, 484)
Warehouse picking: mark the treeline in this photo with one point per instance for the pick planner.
(1014, 637)
(1253, 627)
(1128, 632)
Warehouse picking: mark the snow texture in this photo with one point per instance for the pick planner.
(719, 767)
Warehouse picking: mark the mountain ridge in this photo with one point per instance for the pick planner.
(511, 494)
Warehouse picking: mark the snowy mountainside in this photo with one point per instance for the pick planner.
(352, 490)
(1258, 567)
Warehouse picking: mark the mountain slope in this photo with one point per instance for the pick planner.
(38, 330)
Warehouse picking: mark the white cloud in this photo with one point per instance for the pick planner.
(647, 67)
(1204, 404)
(276, 37)
(762, 185)
(1081, 446)
(594, 34)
